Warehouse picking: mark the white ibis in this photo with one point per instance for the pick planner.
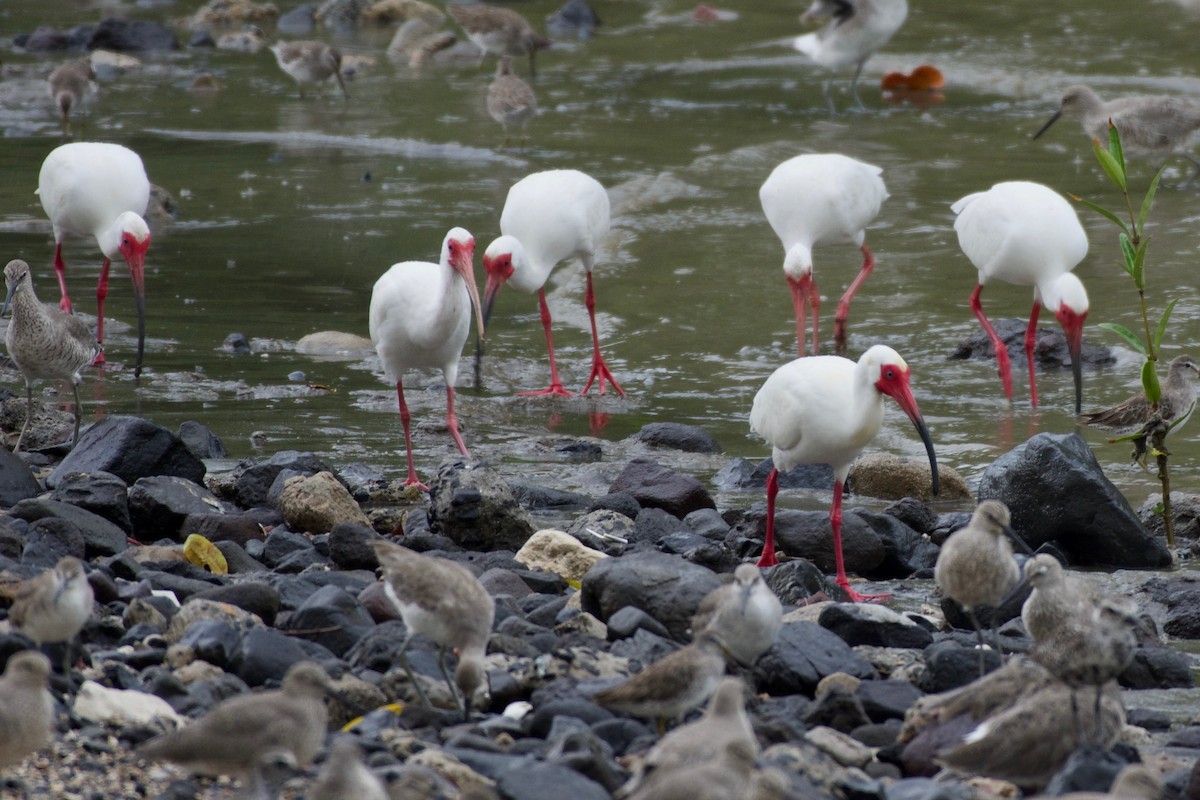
(420, 317)
(500, 31)
(99, 190)
(855, 30)
(819, 199)
(550, 217)
(310, 62)
(1027, 234)
(825, 410)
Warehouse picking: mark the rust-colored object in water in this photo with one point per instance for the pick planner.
(922, 79)
(706, 13)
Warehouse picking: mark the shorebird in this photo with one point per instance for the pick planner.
(727, 775)
(1133, 782)
(825, 410)
(820, 199)
(1056, 599)
(54, 606)
(1027, 234)
(444, 601)
(510, 100)
(99, 190)
(345, 776)
(26, 707)
(1178, 397)
(500, 31)
(420, 317)
(856, 29)
(70, 85)
(310, 62)
(549, 217)
(239, 734)
(975, 566)
(1157, 126)
(44, 342)
(671, 686)
(744, 614)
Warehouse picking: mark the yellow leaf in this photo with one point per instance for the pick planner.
(203, 553)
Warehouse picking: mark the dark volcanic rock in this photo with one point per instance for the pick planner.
(200, 441)
(240, 528)
(16, 481)
(659, 487)
(350, 548)
(257, 598)
(807, 534)
(890, 699)
(863, 623)
(802, 655)
(99, 492)
(101, 537)
(742, 473)
(131, 35)
(159, 505)
(253, 480)
(576, 18)
(949, 665)
(130, 448)
(331, 617)
(1049, 351)
(475, 508)
(677, 436)
(666, 587)
(798, 582)
(905, 550)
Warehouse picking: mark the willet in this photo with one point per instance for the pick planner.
(500, 31)
(99, 190)
(820, 199)
(825, 410)
(26, 708)
(744, 614)
(1134, 782)
(70, 85)
(975, 566)
(53, 607)
(444, 601)
(1178, 396)
(1157, 126)
(310, 62)
(1027, 234)
(420, 317)
(1056, 598)
(345, 776)
(510, 100)
(239, 733)
(856, 29)
(44, 342)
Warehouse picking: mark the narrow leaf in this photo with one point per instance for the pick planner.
(1125, 334)
(1139, 265)
(1148, 200)
(1130, 255)
(1114, 146)
(1150, 382)
(1114, 170)
(1102, 211)
(1162, 323)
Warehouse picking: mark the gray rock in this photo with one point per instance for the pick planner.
(803, 654)
(101, 537)
(576, 18)
(16, 480)
(1185, 513)
(949, 665)
(1050, 350)
(742, 473)
(253, 596)
(239, 528)
(807, 534)
(132, 35)
(99, 492)
(297, 22)
(666, 587)
(905, 550)
(214, 641)
(835, 706)
(914, 514)
(200, 441)
(621, 502)
(534, 780)
(281, 544)
(677, 436)
(350, 548)
(707, 522)
(331, 617)
(1157, 666)
(604, 530)
(797, 582)
(653, 525)
(238, 560)
(883, 700)
(266, 655)
(475, 508)
(130, 448)
(1089, 769)
(879, 626)
(159, 505)
(533, 496)
(53, 537)
(253, 480)
(660, 487)
(629, 620)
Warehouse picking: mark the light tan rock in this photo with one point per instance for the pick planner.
(560, 553)
(331, 343)
(318, 502)
(891, 477)
(388, 12)
(459, 773)
(198, 609)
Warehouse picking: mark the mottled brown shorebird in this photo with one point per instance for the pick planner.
(237, 735)
(26, 708)
(727, 775)
(744, 614)
(500, 31)
(1134, 782)
(310, 62)
(54, 606)
(510, 101)
(444, 601)
(1178, 396)
(975, 566)
(70, 85)
(1056, 597)
(345, 776)
(43, 341)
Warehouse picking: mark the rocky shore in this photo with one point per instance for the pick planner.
(291, 575)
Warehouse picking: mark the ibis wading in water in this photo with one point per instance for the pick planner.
(420, 317)
(825, 410)
(99, 190)
(550, 217)
(854, 31)
(819, 199)
(1027, 234)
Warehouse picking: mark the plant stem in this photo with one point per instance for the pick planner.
(1158, 441)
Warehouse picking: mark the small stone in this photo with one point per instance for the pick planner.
(560, 553)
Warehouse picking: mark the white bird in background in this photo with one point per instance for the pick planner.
(420, 317)
(1027, 234)
(99, 190)
(825, 410)
(855, 30)
(550, 217)
(820, 199)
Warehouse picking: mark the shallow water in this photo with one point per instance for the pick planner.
(289, 210)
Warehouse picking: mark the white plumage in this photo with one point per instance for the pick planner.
(855, 30)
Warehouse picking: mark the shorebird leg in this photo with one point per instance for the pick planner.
(835, 521)
(854, 83)
(412, 678)
(449, 681)
(28, 414)
(60, 269)
(1030, 342)
(78, 415)
(1002, 361)
(405, 421)
(767, 559)
(555, 388)
(101, 294)
(804, 292)
(843, 309)
(599, 368)
(982, 644)
(452, 422)
(827, 91)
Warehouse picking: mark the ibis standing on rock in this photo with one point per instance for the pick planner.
(550, 217)
(1027, 234)
(825, 410)
(99, 190)
(818, 199)
(420, 317)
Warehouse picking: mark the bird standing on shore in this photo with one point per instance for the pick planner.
(744, 614)
(310, 62)
(53, 607)
(499, 31)
(854, 31)
(1056, 599)
(26, 707)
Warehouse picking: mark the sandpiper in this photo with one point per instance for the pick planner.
(444, 601)
(1134, 782)
(500, 31)
(726, 775)
(26, 708)
(70, 85)
(1056, 597)
(43, 341)
(237, 735)
(744, 614)
(976, 566)
(1178, 395)
(310, 62)
(54, 606)
(345, 775)
(510, 100)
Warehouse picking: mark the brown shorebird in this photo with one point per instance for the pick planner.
(510, 100)
(44, 342)
(345, 775)
(240, 734)
(1178, 396)
(444, 601)
(727, 774)
(26, 708)
(976, 566)
(500, 31)
(744, 614)
(1157, 126)
(671, 686)
(70, 85)
(54, 607)
(1056, 597)
(310, 62)
(1134, 782)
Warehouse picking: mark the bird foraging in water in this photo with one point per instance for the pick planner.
(70, 85)
(510, 100)
(854, 31)
(499, 31)
(26, 707)
(44, 342)
(310, 62)
(744, 614)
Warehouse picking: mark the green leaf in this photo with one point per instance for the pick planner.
(1125, 334)
(1162, 323)
(1102, 211)
(1150, 381)
(1130, 255)
(1114, 170)
(1159, 508)
(1114, 145)
(1148, 200)
(1139, 265)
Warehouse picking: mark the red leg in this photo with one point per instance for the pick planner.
(452, 422)
(843, 309)
(1030, 341)
(997, 343)
(60, 269)
(599, 368)
(804, 291)
(767, 559)
(835, 521)
(556, 387)
(405, 419)
(101, 293)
